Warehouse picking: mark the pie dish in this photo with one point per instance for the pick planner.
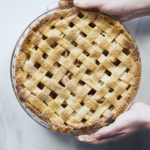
(77, 70)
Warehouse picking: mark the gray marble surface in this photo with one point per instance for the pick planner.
(17, 130)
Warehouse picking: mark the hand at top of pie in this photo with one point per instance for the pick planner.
(123, 10)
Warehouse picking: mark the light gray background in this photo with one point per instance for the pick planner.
(17, 130)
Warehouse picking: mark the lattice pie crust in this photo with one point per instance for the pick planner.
(77, 70)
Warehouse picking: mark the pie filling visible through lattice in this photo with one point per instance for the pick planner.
(77, 70)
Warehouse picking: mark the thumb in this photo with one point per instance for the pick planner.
(85, 4)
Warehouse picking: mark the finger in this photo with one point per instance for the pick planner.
(91, 139)
(109, 139)
(137, 105)
(123, 19)
(85, 4)
(108, 131)
(65, 2)
(128, 16)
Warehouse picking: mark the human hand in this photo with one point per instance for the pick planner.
(136, 118)
(124, 10)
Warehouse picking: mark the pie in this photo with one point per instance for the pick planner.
(77, 70)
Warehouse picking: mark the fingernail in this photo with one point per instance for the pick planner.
(83, 137)
(86, 138)
(76, 2)
(91, 138)
(63, 3)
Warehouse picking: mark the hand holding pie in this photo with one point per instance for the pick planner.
(123, 10)
(133, 120)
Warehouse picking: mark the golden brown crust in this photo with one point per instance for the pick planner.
(77, 70)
